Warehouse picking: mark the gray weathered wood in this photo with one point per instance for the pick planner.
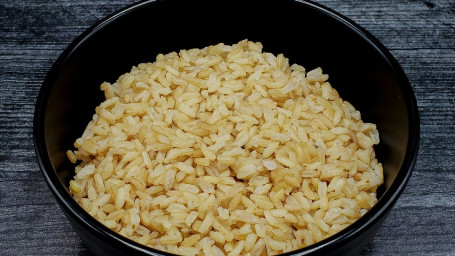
(420, 34)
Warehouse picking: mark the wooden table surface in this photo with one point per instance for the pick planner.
(420, 34)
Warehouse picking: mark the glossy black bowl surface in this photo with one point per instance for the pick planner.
(360, 68)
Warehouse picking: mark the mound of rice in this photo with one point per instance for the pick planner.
(225, 150)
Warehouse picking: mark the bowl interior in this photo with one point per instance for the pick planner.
(358, 68)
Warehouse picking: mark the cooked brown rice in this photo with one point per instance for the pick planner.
(225, 150)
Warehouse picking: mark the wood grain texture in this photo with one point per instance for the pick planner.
(420, 34)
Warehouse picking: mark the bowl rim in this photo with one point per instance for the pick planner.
(378, 211)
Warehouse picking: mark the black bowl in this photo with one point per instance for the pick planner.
(360, 68)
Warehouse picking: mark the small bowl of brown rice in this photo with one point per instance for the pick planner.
(226, 128)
